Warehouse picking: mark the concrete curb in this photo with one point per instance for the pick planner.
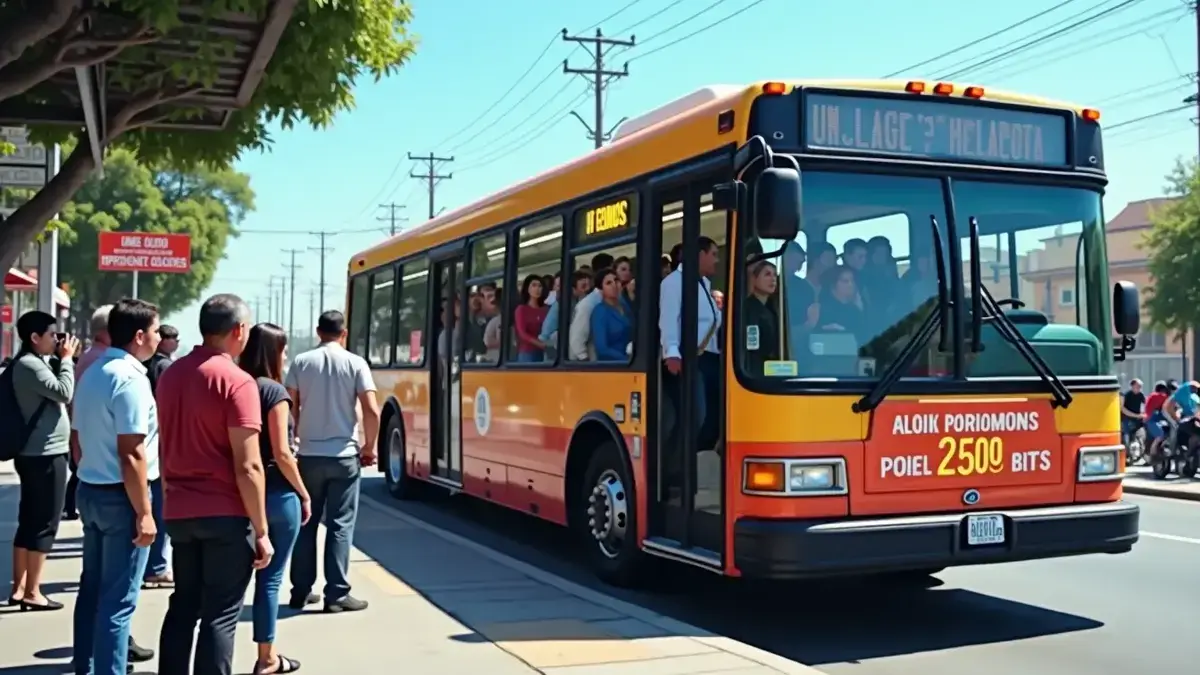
(725, 644)
(1166, 492)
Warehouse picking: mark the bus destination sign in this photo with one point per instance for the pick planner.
(613, 217)
(935, 129)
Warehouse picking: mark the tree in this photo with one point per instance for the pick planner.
(327, 46)
(1173, 251)
(132, 197)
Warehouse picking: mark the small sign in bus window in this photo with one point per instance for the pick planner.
(935, 129)
(611, 218)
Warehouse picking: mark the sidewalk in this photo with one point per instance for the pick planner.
(1139, 481)
(439, 604)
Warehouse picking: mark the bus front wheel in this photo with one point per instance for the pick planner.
(395, 468)
(606, 518)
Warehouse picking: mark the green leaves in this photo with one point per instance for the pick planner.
(135, 196)
(1173, 251)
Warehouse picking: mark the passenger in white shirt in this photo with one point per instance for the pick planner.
(579, 347)
(708, 333)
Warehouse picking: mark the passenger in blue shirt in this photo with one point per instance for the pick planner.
(611, 320)
(1185, 401)
(116, 421)
(581, 285)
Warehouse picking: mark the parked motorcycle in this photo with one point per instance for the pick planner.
(1176, 456)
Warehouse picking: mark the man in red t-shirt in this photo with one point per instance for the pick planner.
(209, 420)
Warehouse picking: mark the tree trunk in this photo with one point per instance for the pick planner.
(32, 27)
(28, 221)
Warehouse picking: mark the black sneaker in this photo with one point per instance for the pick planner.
(346, 604)
(300, 602)
(139, 654)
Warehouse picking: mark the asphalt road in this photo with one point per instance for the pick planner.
(1094, 615)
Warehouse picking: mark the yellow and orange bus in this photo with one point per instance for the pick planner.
(916, 336)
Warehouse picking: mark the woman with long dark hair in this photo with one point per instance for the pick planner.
(528, 318)
(42, 392)
(288, 503)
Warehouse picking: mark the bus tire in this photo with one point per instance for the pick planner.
(393, 461)
(606, 518)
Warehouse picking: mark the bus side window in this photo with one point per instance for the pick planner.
(382, 318)
(412, 312)
(360, 299)
(612, 220)
(539, 262)
(486, 301)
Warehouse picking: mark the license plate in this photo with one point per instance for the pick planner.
(983, 530)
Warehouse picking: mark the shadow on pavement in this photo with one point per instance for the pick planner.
(820, 622)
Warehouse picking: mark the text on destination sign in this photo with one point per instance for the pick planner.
(935, 129)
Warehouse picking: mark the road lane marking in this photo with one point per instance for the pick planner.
(1170, 537)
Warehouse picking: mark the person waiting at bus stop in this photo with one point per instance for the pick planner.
(708, 352)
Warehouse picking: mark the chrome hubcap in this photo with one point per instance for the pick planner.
(395, 456)
(608, 513)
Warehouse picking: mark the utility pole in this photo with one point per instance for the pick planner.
(598, 78)
(321, 250)
(257, 309)
(292, 266)
(1195, 98)
(312, 309)
(392, 217)
(432, 177)
(271, 299)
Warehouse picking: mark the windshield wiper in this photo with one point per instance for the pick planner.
(937, 319)
(985, 309)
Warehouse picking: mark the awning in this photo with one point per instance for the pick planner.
(16, 280)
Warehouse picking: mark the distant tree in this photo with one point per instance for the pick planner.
(133, 197)
(1173, 250)
(324, 51)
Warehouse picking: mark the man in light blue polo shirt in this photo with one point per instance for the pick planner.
(117, 425)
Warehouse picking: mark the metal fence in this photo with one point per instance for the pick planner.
(1150, 368)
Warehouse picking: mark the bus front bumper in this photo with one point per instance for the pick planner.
(789, 549)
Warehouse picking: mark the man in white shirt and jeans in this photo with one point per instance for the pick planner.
(327, 385)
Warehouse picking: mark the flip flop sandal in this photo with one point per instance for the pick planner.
(158, 582)
(285, 665)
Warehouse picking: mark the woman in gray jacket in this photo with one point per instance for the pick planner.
(42, 391)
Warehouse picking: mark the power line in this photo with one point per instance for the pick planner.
(985, 38)
(546, 78)
(655, 15)
(698, 31)
(541, 127)
(598, 77)
(373, 230)
(1028, 44)
(322, 251)
(614, 15)
(677, 24)
(1153, 115)
(433, 177)
(393, 216)
(521, 122)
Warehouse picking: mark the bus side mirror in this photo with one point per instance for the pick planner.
(1127, 315)
(777, 204)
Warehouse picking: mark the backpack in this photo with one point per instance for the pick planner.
(14, 428)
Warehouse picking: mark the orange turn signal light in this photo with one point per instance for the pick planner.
(764, 476)
(943, 89)
(774, 88)
(973, 92)
(915, 87)
(1091, 114)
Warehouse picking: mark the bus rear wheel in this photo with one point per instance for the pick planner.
(395, 468)
(606, 518)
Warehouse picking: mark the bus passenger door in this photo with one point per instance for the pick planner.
(687, 501)
(446, 373)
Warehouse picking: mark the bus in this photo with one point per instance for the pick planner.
(915, 337)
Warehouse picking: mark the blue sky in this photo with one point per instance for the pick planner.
(1129, 64)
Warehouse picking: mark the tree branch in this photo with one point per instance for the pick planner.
(30, 218)
(127, 118)
(30, 28)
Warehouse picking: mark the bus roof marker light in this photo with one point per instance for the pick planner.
(943, 89)
(774, 88)
(973, 92)
(1091, 114)
(915, 87)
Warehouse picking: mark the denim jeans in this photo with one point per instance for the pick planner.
(214, 559)
(332, 484)
(530, 357)
(156, 564)
(283, 519)
(110, 582)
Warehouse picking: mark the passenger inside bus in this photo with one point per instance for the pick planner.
(581, 285)
(528, 318)
(762, 321)
(579, 336)
(841, 304)
(611, 320)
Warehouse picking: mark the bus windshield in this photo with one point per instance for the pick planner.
(856, 284)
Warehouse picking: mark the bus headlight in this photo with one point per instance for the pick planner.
(816, 477)
(1098, 464)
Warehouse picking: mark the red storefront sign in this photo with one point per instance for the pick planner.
(6, 314)
(145, 252)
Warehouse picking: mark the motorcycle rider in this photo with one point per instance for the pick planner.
(1156, 422)
(1180, 411)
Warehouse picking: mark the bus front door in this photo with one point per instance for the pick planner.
(446, 373)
